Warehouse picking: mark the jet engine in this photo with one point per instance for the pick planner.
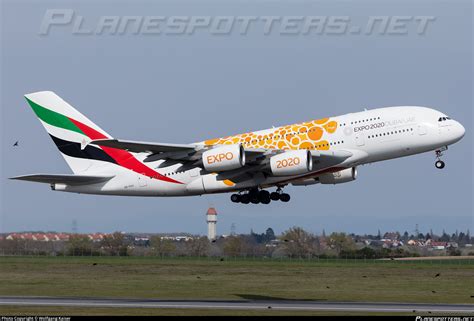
(344, 176)
(224, 158)
(291, 163)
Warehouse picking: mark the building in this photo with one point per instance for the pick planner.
(211, 217)
(52, 236)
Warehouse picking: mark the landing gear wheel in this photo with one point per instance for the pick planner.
(439, 164)
(274, 196)
(254, 200)
(245, 199)
(253, 196)
(264, 197)
(285, 197)
(235, 198)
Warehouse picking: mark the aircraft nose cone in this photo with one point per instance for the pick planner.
(461, 130)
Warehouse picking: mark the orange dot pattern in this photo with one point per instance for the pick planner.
(308, 135)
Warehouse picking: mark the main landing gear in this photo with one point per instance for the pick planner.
(256, 196)
(439, 163)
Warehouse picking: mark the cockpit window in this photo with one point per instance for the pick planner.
(443, 118)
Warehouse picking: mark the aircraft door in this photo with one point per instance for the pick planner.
(359, 138)
(422, 130)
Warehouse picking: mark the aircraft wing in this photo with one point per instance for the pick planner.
(68, 179)
(177, 152)
(257, 159)
(144, 147)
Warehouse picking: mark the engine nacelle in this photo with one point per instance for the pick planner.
(344, 176)
(291, 163)
(224, 158)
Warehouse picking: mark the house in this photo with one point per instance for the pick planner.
(96, 237)
(391, 236)
(52, 237)
(40, 237)
(438, 245)
(63, 237)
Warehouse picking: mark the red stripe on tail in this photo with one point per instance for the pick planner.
(122, 157)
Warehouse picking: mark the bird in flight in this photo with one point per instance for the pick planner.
(16, 144)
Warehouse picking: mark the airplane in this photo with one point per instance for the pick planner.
(321, 151)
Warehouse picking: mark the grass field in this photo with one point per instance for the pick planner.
(383, 281)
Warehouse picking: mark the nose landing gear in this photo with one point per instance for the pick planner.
(439, 164)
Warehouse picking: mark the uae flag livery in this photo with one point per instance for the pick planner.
(72, 133)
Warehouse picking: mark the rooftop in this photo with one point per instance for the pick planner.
(211, 211)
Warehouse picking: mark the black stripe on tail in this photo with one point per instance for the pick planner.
(73, 149)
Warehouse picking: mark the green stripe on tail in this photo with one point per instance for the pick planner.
(53, 118)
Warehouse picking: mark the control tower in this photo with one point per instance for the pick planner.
(211, 223)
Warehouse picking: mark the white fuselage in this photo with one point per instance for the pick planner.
(371, 136)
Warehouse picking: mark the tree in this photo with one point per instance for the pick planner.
(114, 244)
(197, 247)
(454, 252)
(162, 247)
(299, 243)
(341, 242)
(445, 237)
(79, 245)
(233, 246)
(269, 234)
(405, 236)
(461, 237)
(264, 237)
(366, 252)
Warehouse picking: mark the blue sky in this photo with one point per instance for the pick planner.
(187, 88)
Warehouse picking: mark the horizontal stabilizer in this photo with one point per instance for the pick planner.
(63, 179)
(143, 147)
